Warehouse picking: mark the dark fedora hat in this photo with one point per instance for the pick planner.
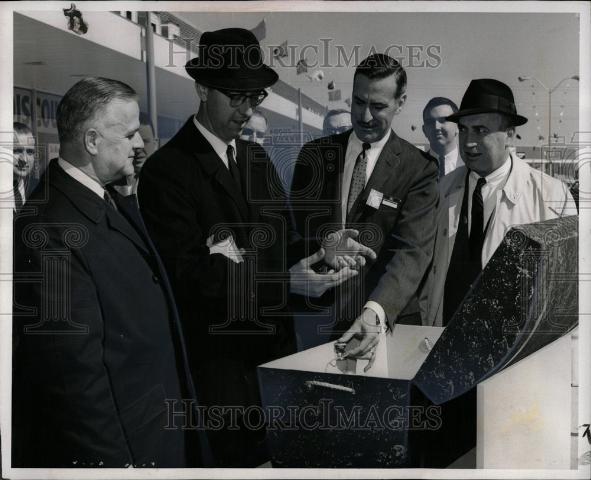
(231, 58)
(487, 95)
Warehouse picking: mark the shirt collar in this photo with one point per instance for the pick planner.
(375, 147)
(497, 175)
(220, 147)
(82, 177)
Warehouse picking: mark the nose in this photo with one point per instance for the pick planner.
(246, 109)
(366, 116)
(137, 141)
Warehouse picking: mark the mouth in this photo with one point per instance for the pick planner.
(472, 155)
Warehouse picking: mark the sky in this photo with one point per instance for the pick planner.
(450, 49)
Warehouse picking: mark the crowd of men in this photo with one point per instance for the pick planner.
(176, 271)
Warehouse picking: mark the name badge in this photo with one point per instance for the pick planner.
(391, 202)
(374, 199)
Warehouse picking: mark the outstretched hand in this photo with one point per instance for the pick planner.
(305, 281)
(342, 250)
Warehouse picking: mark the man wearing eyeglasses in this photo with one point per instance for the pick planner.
(336, 121)
(216, 210)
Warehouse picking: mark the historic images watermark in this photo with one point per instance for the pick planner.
(325, 415)
(324, 54)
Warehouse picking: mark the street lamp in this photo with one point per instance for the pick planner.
(550, 91)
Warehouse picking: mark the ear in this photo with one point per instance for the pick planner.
(202, 92)
(91, 141)
(401, 101)
(424, 129)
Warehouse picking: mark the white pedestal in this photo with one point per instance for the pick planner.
(526, 412)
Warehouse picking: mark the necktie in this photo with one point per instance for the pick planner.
(18, 198)
(233, 167)
(441, 166)
(477, 226)
(358, 179)
(109, 199)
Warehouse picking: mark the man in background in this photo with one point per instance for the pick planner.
(442, 134)
(336, 121)
(24, 163)
(255, 129)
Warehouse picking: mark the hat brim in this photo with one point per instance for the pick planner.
(232, 79)
(517, 120)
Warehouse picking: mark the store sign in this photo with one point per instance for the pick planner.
(46, 109)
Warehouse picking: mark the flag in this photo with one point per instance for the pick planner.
(260, 31)
(334, 96)
(301, 66)
(331, 85)
(317, 75)
(281, 50)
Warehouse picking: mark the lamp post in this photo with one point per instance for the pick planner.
(550, 91)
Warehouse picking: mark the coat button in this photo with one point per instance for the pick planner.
(155, 278)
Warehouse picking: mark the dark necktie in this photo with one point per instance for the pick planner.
(109, 199)
(441, 166)
(477, 225)
(233, 167)
(18, 198)
(359, 178)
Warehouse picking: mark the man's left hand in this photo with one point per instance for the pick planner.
(343, 251)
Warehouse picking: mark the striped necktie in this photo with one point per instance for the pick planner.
(358, 179)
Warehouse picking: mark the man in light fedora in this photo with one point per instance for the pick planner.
(216, 209)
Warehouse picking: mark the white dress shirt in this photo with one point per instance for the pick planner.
(354, 148)
(453, 160)
(495, 181)
(82, 177)
(218, 145)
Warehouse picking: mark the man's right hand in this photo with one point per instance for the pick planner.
(305, 281)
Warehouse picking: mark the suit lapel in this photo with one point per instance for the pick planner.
(123, 223)
(193, 141)
(383, 171)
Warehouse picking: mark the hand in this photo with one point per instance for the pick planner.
(226, 247)
(305, 281)
(365, 328)
(342, 251)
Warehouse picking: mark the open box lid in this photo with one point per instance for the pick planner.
(515, 307)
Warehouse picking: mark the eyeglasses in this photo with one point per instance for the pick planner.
(238, 98)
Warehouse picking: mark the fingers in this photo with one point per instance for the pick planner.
(369, 341)
(372, 360)
(366, 251)
(349, 334)
(349, 233)
(312, 259)
(342, 276)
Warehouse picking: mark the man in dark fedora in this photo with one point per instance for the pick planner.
(481, 200)
(216, 210)
(479, 203)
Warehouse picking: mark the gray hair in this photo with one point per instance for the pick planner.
(84, 100)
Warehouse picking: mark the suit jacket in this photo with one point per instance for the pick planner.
(233, 313)
(401, 230)
(528, 196)
(98, 345)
